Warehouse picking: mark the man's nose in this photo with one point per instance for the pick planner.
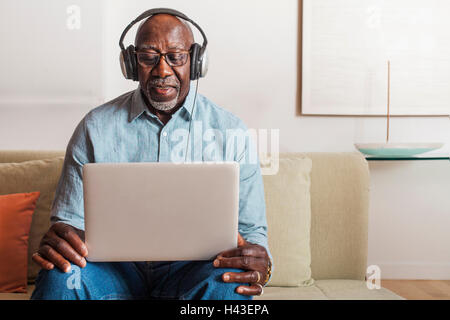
(162, 69)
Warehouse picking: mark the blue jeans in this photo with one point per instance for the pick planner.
(184, 280)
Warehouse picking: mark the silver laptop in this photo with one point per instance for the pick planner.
(160, 211)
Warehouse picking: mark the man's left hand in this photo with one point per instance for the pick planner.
(253, 259)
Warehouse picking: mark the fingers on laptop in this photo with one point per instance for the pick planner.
(242, 277)
(253, 250)
(60, 246)
(69, 234)
(242, 262)
(64, 249)
(54, 257)
(44, 263)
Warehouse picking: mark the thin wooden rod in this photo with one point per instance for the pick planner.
(388, 100)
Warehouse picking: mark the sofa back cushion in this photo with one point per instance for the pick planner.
(339, 214)
(288, 211)
(339, 219)
(8, 156)
(30, 176)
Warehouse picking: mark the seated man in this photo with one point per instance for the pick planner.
(137, 127)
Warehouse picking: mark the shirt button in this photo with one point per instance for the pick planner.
(164, 134)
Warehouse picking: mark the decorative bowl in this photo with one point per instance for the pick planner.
(396, 150)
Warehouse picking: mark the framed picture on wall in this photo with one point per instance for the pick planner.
(345, 46)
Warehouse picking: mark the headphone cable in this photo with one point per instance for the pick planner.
(190, 121)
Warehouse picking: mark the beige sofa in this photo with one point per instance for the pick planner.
(339, 192)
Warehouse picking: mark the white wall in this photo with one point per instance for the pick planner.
(253, 73)
(409, 220)
(42, 58)
(51, 74)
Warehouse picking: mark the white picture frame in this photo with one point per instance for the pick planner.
(345, 46)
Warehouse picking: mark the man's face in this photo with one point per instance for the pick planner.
(165, 86)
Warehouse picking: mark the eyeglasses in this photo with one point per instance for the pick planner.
(173, 59)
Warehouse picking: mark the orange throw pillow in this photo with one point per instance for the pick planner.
(15, 221)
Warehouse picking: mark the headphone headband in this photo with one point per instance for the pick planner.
(155, 11)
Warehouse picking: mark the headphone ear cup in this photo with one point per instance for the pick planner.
(123, 67)
(195, 63)
(128, 63)
(204, 60)
(131, 54)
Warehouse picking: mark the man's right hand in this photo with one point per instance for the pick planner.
(61, 245)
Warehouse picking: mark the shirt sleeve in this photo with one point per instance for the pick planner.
(68, 205)
(252, 207)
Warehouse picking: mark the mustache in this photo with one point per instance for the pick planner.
(164, 82)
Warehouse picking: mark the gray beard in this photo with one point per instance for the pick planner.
(163, 105)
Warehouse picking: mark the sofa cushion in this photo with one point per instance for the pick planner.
(288, 211)
(343, 289)
(18, 296)
(321, 290)
(16, 211)
(339, 219)
(29, 176)
(292, 293)
(14, 156)
(335, 289)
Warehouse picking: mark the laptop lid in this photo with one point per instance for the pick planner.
(160, 211)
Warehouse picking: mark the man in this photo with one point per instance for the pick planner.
(137, 126)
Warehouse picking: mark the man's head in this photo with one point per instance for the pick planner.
(165, 84)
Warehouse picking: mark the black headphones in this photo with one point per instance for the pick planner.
(199, 56)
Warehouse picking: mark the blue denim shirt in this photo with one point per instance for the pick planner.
(123, 130)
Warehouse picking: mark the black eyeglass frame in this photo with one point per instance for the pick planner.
(137, 52)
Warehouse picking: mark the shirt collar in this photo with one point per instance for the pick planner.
(138, 105)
